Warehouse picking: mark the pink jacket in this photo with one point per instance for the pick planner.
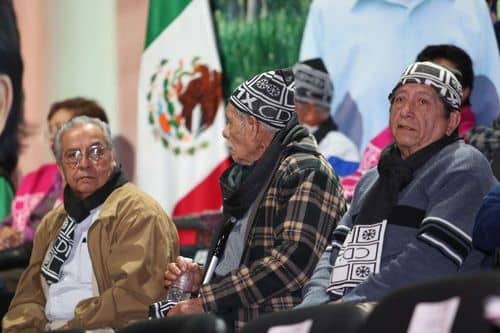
(40, 190)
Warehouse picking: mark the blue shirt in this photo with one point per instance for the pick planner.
(366, 45)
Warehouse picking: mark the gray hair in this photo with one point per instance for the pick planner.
(243, 116)
(79, 121)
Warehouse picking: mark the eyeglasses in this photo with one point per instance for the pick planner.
(93, 153)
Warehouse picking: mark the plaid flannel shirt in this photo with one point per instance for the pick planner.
(291, 228)
(485, 139)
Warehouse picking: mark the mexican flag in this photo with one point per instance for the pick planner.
(180, 149)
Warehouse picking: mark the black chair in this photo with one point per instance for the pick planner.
(5, 298)
(195, 323)
(394, 312)
(11, 261)
(17, 257)
(345, 318)
(196, 232)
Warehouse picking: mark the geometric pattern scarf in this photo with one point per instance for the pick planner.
(77, 210)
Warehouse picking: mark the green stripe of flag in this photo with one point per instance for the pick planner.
(161, 14)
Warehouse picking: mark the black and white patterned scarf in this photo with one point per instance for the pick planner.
(394, 174)
(77, 211)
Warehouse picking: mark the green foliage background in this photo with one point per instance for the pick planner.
(250, 43)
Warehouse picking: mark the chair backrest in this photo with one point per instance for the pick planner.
(16, 257)
(195, 323)
(196, 232)
(394, 312)
(345, 318)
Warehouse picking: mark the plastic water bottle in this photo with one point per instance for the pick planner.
(181, 289)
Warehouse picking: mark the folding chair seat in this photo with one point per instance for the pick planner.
(394, 312)
(345, 318)
(195, 323)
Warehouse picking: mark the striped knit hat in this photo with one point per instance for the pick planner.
(312, 83)
(267, 96)
(442, 79)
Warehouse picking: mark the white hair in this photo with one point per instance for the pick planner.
(77, 121)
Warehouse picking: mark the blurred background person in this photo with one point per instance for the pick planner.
(11, 103)
(486, 139)
(364, 44)
(493, 4)
(313, 95)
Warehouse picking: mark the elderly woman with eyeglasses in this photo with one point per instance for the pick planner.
(97, 260)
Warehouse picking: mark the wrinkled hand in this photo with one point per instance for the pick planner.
(175, 269)
(188, 306)
(10, 238)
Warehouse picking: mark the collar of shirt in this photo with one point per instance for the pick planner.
(409, 4)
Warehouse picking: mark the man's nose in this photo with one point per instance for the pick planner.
(84, 161)
(406, 110)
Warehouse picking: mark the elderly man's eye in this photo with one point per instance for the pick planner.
(398, 99)
(95, 152)
(72, 156)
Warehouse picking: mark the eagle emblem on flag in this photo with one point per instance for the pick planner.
(183, 100)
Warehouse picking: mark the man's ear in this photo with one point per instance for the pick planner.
(61, 173)
(465, 93)
(253, 126)
(453, 122)
(5, 99)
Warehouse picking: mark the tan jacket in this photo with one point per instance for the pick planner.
(130, 245)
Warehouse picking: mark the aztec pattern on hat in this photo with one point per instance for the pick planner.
(312, 85)
(438, 77)
(267, 97)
